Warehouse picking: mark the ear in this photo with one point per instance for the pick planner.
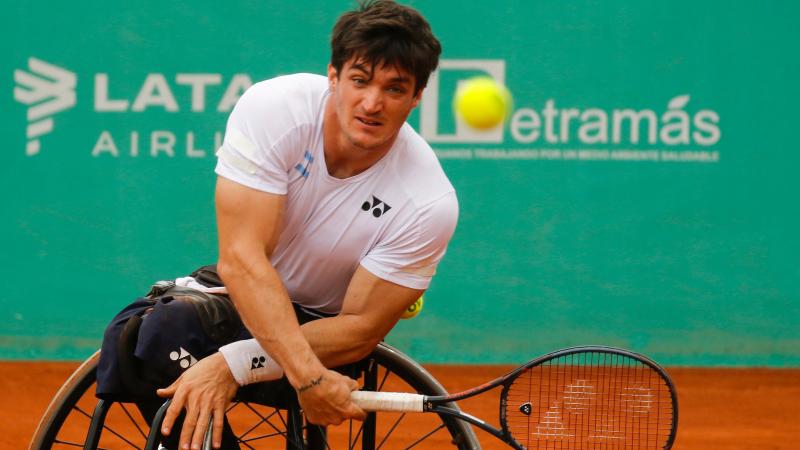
(333, 77)
(417, 98)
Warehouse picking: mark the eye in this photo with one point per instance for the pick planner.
(358, 81)
(397, 89)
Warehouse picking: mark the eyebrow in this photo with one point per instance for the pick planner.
(363, 68)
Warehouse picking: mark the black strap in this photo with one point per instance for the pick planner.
(208, 276)
(130, 367)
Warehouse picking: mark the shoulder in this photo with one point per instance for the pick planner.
(295, 86)
(285, 100)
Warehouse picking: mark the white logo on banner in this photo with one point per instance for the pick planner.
(429, 106)
(555, 132)
(549, 131)
(46, 90)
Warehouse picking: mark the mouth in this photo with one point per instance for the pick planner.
(368, 122)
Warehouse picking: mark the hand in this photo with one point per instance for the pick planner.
(205, 390)
(326, 400)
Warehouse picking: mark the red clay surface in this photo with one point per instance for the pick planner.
(751, 409)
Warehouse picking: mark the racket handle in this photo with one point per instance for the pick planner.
(387, 401)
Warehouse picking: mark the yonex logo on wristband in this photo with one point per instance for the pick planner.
(258, 363)
(378, 206)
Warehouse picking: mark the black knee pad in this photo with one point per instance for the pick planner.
(110, 380)
(183, 327)
(217, 315)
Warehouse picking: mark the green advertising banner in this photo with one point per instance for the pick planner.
(643, 192)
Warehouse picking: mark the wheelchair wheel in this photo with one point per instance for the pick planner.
(76, 419)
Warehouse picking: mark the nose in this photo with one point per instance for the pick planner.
(372, 101)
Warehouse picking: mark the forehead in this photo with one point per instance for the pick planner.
(379, 70)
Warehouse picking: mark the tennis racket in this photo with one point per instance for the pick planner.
(577, 398)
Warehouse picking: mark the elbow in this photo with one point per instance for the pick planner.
(228, 266)
(366, 334)
(232, 265)
(365, 346)
(241, 260)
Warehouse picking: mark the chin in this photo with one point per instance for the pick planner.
(368, 145)
(367, 142)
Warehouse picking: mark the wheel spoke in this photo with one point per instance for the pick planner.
(413, 444)
(391, 429)
(268, 422)
(383, 381)
(263, 436)
(88, 416)
(350, 434)
(106, 427)
(71, 444)
(263, 420)
(133, 421)
(355, 439)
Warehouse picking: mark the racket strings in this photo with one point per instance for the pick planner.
(589, 400)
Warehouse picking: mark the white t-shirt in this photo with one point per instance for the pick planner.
(394, 219)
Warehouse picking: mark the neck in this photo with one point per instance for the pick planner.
(343, 158)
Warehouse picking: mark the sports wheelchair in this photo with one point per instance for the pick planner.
(262, 416)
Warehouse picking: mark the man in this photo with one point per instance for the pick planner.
(328, 204)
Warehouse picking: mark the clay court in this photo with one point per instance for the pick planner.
(626, 176)
(753, 409)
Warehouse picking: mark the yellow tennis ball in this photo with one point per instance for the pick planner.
(414, 309)
(482, 102)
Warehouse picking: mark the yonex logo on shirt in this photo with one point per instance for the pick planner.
(375, 206)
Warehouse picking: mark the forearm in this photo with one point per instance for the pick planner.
(334, 347)
(266, 311)
(371, 309)
(249, 363)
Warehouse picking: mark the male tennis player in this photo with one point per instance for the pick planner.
(328, 205)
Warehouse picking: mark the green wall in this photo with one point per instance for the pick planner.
(677, 237)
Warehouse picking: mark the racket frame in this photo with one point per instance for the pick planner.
(433, 403)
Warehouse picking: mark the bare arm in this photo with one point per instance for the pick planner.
(249, 223)
(372, 306)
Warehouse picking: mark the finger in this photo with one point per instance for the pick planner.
(335, 421)
(356, 413)
(203, 422)
(189, 425)
(315, 419)
(352, 384)
(168, 391)
(219, 421)
(173, 411)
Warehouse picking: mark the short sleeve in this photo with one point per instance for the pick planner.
(409, 256)
(260, 141)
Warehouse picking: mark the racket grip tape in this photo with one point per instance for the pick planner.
(388, 401)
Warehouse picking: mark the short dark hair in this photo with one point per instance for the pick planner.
(384, 33)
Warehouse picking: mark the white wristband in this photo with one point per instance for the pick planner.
(249, 363)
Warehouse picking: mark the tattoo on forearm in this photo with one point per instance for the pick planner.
(313, 383)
